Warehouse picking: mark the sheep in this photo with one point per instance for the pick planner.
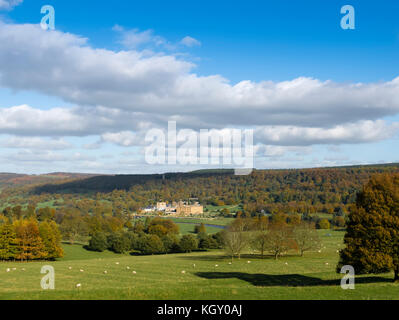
(134, 272)
(194, 265)
(116, 262)
(105, 272)
(70, 268)
(286, 263)
(13, 269)
(8, 270)
(23, 269)
(78, 285)
(183, 272)
(326, 263)
(127, 268)
(229, 262)
(81, 270)
(248, 261)
(216, 265)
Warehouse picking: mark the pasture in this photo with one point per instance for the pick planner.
(198, 275)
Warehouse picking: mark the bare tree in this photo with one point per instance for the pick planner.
(237, 237)
(306, 237)
(259, 238)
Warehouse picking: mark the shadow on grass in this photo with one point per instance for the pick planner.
(244, 257)
(285, 280)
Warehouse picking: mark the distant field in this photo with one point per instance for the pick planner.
(161, 277)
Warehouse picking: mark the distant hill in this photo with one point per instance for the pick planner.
(12, 180)
(352, 176)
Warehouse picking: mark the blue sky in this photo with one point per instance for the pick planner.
(253, 41)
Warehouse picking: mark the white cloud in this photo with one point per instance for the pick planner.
(9, 4)
(35, 143)
(190, 42)
(162, 86)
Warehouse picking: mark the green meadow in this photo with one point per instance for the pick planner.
(197, 275)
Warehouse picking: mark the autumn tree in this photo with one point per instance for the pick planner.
(372, 236)
(279, 239)
(29, 242)
(8, 242)
(51, 238)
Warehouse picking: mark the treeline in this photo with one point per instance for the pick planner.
(153, 236)
(27, 239)
(302, 191)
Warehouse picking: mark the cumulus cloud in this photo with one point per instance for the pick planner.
(9, 4)
(64, 65)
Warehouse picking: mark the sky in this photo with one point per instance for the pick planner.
(85, 96)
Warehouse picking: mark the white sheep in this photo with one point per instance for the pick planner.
(183, 272)
(81, 270)
(105, 272)
(127, 268)
(134, 272)
(216, 265)
(249, 261)
(8, 270)
(78, 285)
(116, 262)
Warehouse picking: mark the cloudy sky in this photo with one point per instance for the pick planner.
(82, 97)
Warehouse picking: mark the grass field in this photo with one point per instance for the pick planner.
(161, 277)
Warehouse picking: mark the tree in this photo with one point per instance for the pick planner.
(237, 236)
(324, 224)
(98, 242)
(372, 236)
(188, 243)
(200, 229)
(51, 238)
(306, 237)
(119, 242)
(259, 239)
(29, 242)
(8, 242)
(279, 239)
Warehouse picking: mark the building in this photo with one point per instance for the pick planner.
(184, 209)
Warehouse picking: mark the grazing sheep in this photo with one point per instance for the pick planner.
(78, 285)
(229, 262)
(134, 272)
(116, 262)
(216, 265)
(105, 272)
(326, 263)
(8, 270)
(13, 269)
(23, 269)
(249, 261)
(127, 268)
(183, 272)
(319, 251)
(194, 265)
(286, 263)
(81, 270)
(70, 268)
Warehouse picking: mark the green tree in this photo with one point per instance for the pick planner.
(372, 236)
(98, 242)
(188, 243)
